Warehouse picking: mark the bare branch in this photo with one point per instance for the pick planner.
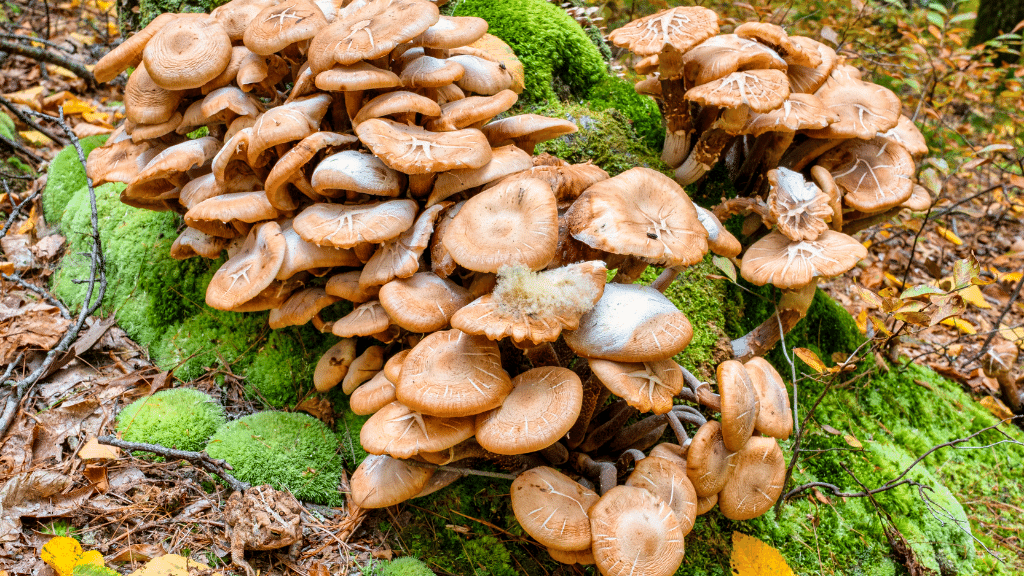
(201, 459)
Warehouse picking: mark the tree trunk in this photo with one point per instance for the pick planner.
(997, 17)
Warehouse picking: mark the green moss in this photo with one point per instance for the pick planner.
(615, 93)
(210, 339)
(406, 566)
(181, 418)
(7, 127)
(605, 138)
(65, 177)
(142, 12)
(558, 55)
(282, 369)
(93, 570)
(286, 450)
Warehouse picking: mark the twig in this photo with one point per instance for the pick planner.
(19, 148)
(463, 471)
(201, 459)
(32, 123)
(10, 368)
(29, 39)
(77, 68)
(17, 209)
(16, 176)
(39, 292)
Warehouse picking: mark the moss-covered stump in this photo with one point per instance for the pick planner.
(180, 418)
(289, 451)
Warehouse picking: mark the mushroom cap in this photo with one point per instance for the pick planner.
(760, 90)
(300, 308)
(365, 366)
(720, 240)
(567, 181)
(279, 26)
(681, 28)
(756, 481)
(640, 213)
(775, 37)
(400, 257)
(187, 52)
(402, 432)
(364, 320)
(471, 111)
(129, 52)
(430, 72)
(786, 264)
(526, 130)
(505, 161)
(302, 255)
(806, 79)
(250, 270)
(286, 123)
(798, 112)
(333, 365)
(724, 54)
(635, 532)
(247, 207)
(543, 405)
(355, 171)
(739, 404)
(666, 478)
(345, 226)
(393, 367)
(552, 508)
(920, 199)
(774, 417)
(490, 47)
(346, 285)
(515, 222)
(863, 108)
(290, 166)
(371, 31)
(534, 306)
(646, 386)
(481, 76)
(874, 174)
(450, 373)
(708, 460)
(192, 242)
(452, 32)
(398, 102)
(631, 323)
(147, 103)
(424, 302)
(907, 135)
(799, 207)
(120, 159)
(354, 77)
(375, 394)
(413, 150)
(381, 481)
(236, 15)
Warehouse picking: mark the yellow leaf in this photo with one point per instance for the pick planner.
(76, 106)
(996, 407)
(752, 557)
(28, 224)
(100, 118)
(972, 295)
(949, 235)
(31, 97)
(35, 136)
(170, 565)
(852, 441)
(894, 280)
(862, 321)
(960, 324)
(93, 450)
(811, 359)
(61, 71)
(1012, 334)
(62, 554)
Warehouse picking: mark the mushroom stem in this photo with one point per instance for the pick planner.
(665, 279)
(703, 156)
(618, 414)
(852, 227)
(734, 206)
(627, 459)
(557, 453)
(675, 149)
(637, 431)
(592, 391)
(702, 391)
(791, 309)
(677, 428)
(803, 154)
(747, 173)
(542, 354)
(605, 472)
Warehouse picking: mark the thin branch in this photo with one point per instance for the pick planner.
(19, 148)
(30, 39)
(32, 123)
(77, 68)
(17, 209)
(201, 459)
(39, 292)
(10, 368)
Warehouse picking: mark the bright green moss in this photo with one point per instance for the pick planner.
(181, 418)
(65, 177)
(209, 339)
(7, 127)
(559, 58)
(615, 93)
(605, 138)
(282, 368)
(286, 450)
(406, 566)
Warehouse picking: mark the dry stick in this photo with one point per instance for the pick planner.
(97, 276)
(39, 292)
(17, 209)
(32, 123)
(201, 459)
(29, 39)
(10, 368)
(992, 334)
(19, 148)
(77, 68)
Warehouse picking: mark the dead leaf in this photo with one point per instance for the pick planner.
(320, 408)
(97, 477)
(830, 430)
(93, 450)
(69, 420)
(171, 565)
(852, 441)
(811, 359)
(752, 557)
(28, 494)
(996, 407)
(48, 248)
(138, 553)
(32, 326)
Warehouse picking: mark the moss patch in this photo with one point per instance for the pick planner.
(180, 418)
(286, 450)
(618, 94)
(406, 566)
(7, 127)
(66, 175)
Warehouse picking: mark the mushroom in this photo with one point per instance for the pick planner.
(552, 508)
(635, 532)
(540, 409)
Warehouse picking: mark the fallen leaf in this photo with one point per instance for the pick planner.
(960, 324)
(28, 494)
(31, 97)
(35, 137)
(752, 557)
(725, 265)
(63, 554)
(93, 450)
(138, 553)
(830, 430)
(171, 565)
(811, 359)
(852, 441)
(48, 247)
(996, 407)
(949, 235)
(32, 326)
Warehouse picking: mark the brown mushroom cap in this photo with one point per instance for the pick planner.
(515, 222)
(247, 207)
(756, 481)
(400, 257)
(907, 135)
(481, 76)
(382, 481)
(724, 54)
(760, 90)
(450, 373)
(358, 76)
(739, 404)
(236, 15)
(490, 47)
(504, 161)
(286, 123)
(774, 418)
(874, 174)
(920, 199)
(708, 460)
(798, 112)
(279, 26)
(345, 226)
(187, 52)
(355, 171)
(452, 32)
(371, 31)
(552, 508)
(472, 111)
(635, 532)
(393, 103)
(250, 270)
(129, 52)
(333, 365)
(666, 478)
(799, 207)
(805, 79)
(778, 260)
(364, 320)
(430, 72)
(641, 213)
(631, 323)
(300, 308)
(346, 285)
(720, 240)
(147, 103)
(302, 255)
(646, 386)
(401, 432)
(364, 367)
(423, 302)
(526, 130)
(192, 242)
(680, 28)
(413, 150)
(542, 407)
(370, 397)
(863, 108)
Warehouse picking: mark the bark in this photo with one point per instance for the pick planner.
(997, 17)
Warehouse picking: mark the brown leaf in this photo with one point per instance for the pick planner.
(93, 450)
(49, 247)
(138, 553)
(319, 408)
(32, 494)
(996, 407)
(55, 426)
(97, 477)
(32, 326)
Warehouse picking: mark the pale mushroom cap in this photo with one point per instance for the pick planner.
(451, 373)
(278, 26)
(635, 532)
(542, 407)
(724, 54)
(286, 123)
(382, 481)
(526, 130)
(504, 161)
(708, 460)
(333, 365)
(371, 31)
(798, 112)
(907, 135)
(756, 481)
(424, 302)
(300, 308)
(648, 387)
(720, 240)
(631, 323)
(147, 103)
(346, 285)
(681, 28)
(452, 32)
(739, 404)
(413, 150)
(129, 52)
(430, 72)
(863, 108)
(584, 557)
(920, 199)
(399, 102)
(403, 433)
(373, 395)
(706, 503)
(364, 367)
(481, 75)
(236, 15)
(192, 242)
(774, 418)
(806, 79)
(492, 48)
(400, 257)
(187, 52)
(393, 367)
(241, 206)
(552, 508)
(473, 110)
(666, 478)
(775, 36)
(357, 172)
(302, 255)
(761, 90)
(358, 76)
(799, 207)
(365, 320)
(345, 226)
(778, 260)
(249, 271)
(512, 223)
(874, 174)
(640, 213)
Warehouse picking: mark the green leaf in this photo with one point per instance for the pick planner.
(936, 19)
(919, 291)
(726, 266)
(964, 270)
(963, 17)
